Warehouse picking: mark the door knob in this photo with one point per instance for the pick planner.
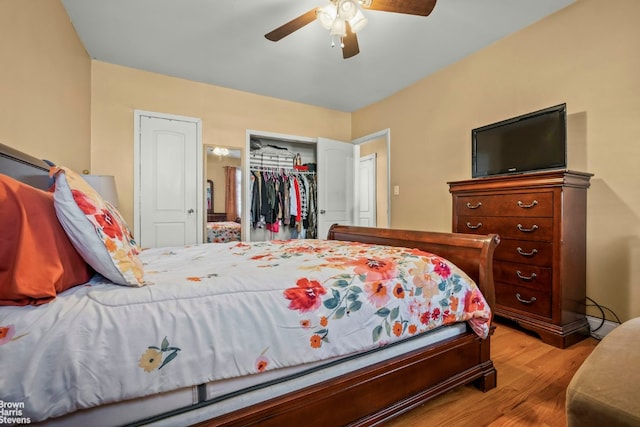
(190, 211)
(322, 211)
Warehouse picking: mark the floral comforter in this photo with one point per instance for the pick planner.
(220, 311)
(223, 231)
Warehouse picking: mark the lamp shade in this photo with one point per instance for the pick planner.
(105, 185)
(358, 22)
(326, 15)
(339, 28)
(347, 9)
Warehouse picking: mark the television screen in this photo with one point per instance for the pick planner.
(531, 142)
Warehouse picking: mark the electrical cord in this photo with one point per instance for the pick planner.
(602, 309)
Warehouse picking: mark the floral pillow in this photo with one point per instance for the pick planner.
(128, 234)
(96, 229)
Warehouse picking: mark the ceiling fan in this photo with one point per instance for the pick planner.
(344, 18)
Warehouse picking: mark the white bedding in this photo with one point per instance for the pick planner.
(176, 407)
(225, 311)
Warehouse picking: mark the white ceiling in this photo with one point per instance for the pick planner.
(222, 43)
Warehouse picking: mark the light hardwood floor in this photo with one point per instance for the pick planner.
(532, 380)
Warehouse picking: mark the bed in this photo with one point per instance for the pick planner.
(223, 231)
(356, 386)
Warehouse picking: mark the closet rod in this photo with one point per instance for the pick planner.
(280, 170)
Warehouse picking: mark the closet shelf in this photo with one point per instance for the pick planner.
(271, 158)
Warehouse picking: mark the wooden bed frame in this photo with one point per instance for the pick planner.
(377, 393)
(408, 380)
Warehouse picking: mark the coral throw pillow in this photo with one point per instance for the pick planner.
(96, 229)
(37, 260)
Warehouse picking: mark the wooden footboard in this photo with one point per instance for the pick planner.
(471, 252)
(372, 395)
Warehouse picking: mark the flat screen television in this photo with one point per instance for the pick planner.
(530, 142)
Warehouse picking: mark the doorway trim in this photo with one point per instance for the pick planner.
(206, 174)
(137, 140)
(387, 134)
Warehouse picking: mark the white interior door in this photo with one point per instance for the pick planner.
(380, 144)
(367, 191)
(170, 195)
(336, 184)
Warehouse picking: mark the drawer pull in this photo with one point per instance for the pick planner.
(532, 277)
(523, 253)
(474, 227)
(527, 230)
(531, 301)
(470, 206)
(525, 206)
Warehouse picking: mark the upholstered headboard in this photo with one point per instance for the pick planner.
(23, 167)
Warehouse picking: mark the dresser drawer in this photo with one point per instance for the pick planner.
(530, 276)
(518, 204)
(524, 299)
(529, 228)
(525, 251)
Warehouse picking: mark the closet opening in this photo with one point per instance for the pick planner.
(281, 188)
(319, 174)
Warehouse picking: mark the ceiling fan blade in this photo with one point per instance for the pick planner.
(293, 25)
(350, 43)
(409, 7)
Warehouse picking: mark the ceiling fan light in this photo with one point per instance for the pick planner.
(326, 15)
(339, 28)
(218, 151)
(358, 22)
(347, 9)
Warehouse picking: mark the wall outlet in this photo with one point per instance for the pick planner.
(396, 190)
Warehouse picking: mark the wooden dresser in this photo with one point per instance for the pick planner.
(216, 217)
(539, 266)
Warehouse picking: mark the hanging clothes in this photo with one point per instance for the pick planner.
(312, 216)
(284, 199)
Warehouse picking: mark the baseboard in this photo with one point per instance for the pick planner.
(607, 326)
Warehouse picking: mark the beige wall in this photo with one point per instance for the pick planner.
(226, 115)
(586, 55)
(45, 83)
